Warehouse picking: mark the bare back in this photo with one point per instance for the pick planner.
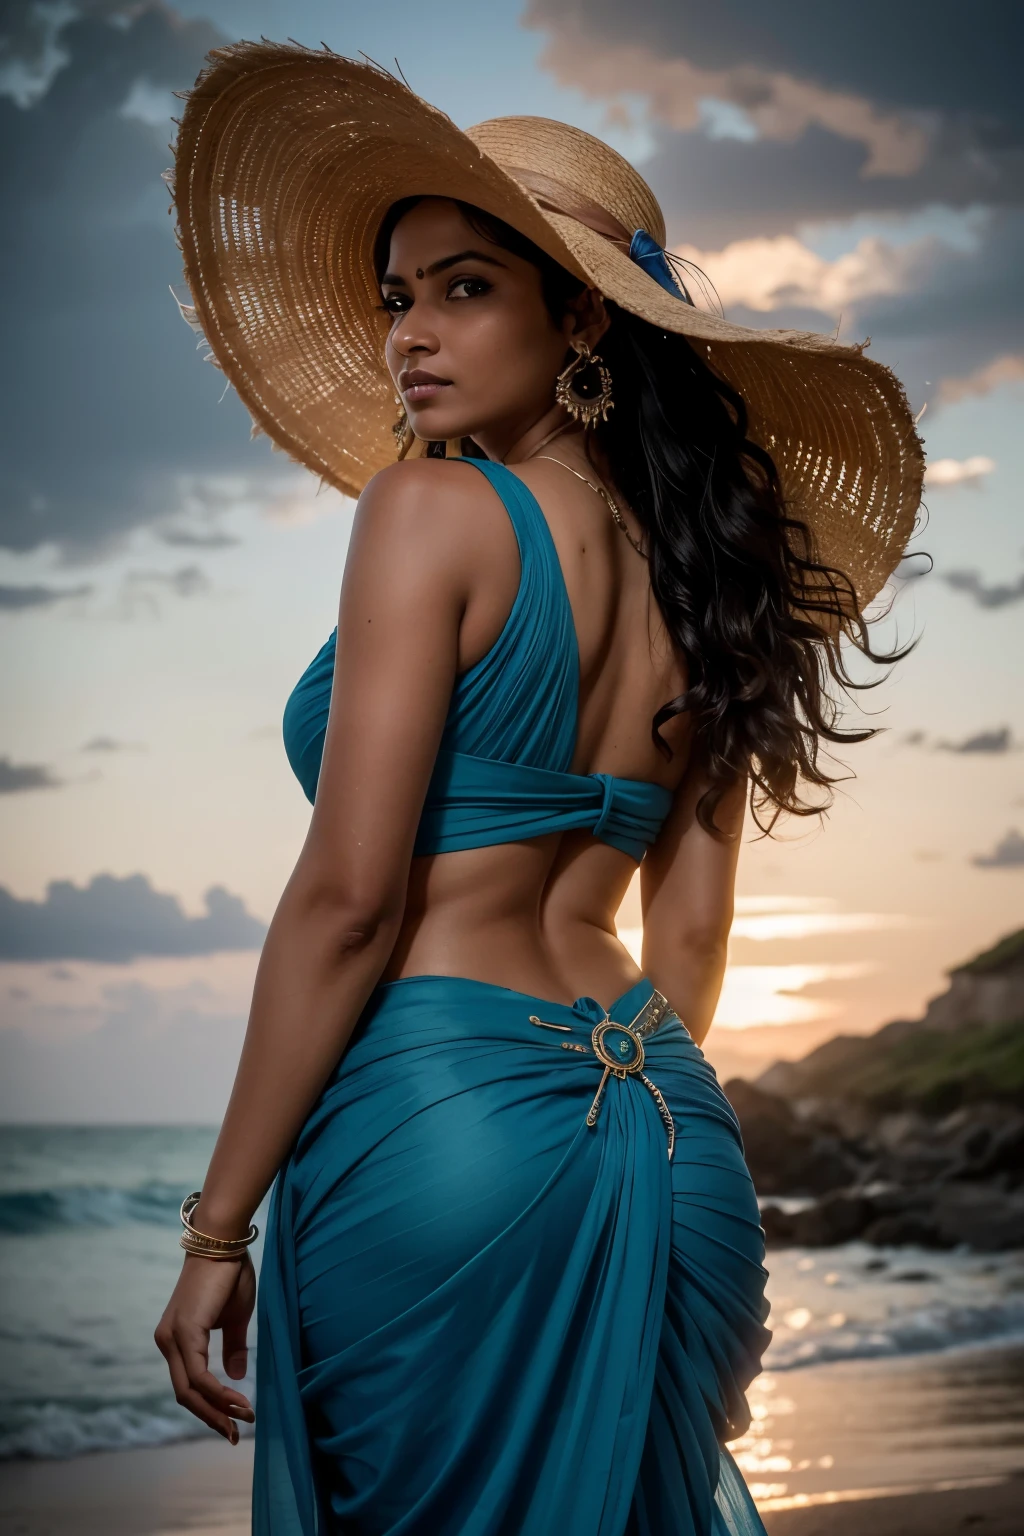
(539, 915)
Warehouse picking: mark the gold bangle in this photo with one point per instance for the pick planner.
(210, 1253)
(203, 1240)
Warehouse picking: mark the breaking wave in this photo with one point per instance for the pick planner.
(88, 1205)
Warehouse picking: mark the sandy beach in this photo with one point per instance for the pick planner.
(918, 1446)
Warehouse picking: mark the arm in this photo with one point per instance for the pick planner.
(687, 885)
(404, 592)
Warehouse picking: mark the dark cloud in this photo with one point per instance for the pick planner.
(117, 920)
(961, 309)
(20, 599)
(17, 778)
(107, 405)
(1007, 854)
(901, 56)
(984, 741)
(111, 744)
(717, 190)
(29, 40)
(994, 595)
(898, 59)
(828, 122)
(937, 118)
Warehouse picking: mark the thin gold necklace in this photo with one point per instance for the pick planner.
(601, 490)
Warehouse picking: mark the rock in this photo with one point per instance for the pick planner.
(782, 1078)
(913, 1135)
(820, 1070)
(835, 1219)
(838, 1218)
(778, 1226)
(976, 1141)
(986, 1219)
(904, 1229)
(784, 1156)
(896, 1131)
(989, 1142)
(987, 990)
(851, 1119)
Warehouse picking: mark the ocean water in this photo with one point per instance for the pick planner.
(89, 1255)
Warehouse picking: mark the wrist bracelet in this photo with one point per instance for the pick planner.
(207, 1247)
(201, 1252)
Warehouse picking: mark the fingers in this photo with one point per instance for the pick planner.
(201, 1379)
(197, 1389)
(235, 1352)
(234, 1322)
(194, 1401)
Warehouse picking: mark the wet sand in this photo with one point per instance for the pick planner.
(920, 1446)
(931, 1445)
(201, 1487)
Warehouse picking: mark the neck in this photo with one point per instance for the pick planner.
(516, 444)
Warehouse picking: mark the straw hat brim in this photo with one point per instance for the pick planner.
(286, 162)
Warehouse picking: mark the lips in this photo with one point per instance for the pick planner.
(418, 385)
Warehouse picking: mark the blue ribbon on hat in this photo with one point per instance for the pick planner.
(654, 259)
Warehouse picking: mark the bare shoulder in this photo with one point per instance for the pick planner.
(406, 489)
(434, 507)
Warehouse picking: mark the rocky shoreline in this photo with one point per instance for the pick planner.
(913, 1135)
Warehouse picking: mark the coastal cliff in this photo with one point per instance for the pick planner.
(914, 1134)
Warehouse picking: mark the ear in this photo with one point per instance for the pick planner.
(586, 318)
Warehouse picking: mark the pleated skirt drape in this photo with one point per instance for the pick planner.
(478, 1315)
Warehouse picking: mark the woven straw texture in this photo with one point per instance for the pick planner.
(286, 162)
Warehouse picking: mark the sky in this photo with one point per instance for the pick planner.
(164, 580)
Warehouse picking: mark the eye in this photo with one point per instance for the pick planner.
(473, 287)
(396, 303)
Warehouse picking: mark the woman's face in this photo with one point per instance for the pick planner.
(472, 347)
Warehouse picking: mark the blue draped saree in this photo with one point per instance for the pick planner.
(480, 1315)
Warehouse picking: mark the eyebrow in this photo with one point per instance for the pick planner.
(442, 265)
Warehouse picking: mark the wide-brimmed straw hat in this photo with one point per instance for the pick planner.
(286, 162)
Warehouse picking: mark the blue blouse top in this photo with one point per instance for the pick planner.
(502, 771)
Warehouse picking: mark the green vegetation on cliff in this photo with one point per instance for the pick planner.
(935, 1072)
(1006, 956)
(935, 1064)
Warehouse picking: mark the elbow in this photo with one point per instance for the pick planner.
(703, 954)
(363, 932)
(349, 923)
(702, 941)
(710, 941)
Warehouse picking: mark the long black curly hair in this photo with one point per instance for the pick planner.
(760, 622)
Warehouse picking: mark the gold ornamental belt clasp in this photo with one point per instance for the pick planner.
(620, 1050)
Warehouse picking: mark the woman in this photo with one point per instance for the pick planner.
(513, 1278)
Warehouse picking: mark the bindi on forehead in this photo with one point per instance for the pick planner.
(419, 271)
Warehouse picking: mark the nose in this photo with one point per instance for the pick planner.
(413, 335)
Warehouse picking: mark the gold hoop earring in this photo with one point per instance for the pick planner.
(585, 399)
(400, 429)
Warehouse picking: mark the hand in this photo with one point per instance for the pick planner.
(210, 1293)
